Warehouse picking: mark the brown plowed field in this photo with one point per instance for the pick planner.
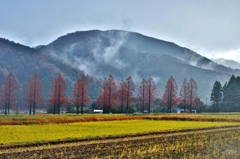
(210, 143)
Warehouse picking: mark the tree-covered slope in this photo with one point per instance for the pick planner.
(98, 55)
(24, 61)
(98, 43)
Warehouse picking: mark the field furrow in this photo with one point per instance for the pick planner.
(212, 143)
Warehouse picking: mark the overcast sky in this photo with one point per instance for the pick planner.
(209, 27)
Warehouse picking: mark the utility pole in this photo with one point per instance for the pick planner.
(206, 101)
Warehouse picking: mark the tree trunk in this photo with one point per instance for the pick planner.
(82, 108)
(127, 96)
(58, 108)
(8, 108)
(122, 108)
(5, 110)
(34, 107)
(54, 108)
(30, 110)
(77, 108)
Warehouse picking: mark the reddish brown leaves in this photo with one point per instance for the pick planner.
(130, 91)
(57, 95)
(142, 94)
(192, 93)
(103, 95)
(146, 94)
(8, 93)
(122, 94)
(80, 94)
(125, 93)
(151, 93)
(184, 94)
(170, 94)
(108, 94)
(33, 95)
(188, 94)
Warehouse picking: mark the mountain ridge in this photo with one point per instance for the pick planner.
(157, 46)
(100, 53)
(24, 61)
(126, 54)
(228, 63)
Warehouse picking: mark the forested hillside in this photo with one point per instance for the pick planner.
(123, 54)
(23, 62)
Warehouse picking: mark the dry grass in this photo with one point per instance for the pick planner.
(35, 133)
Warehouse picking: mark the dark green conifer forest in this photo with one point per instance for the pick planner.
(226, 98)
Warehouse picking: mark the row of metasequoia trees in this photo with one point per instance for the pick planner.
(187, 96)
(110, 96)
(226, 98)
(33, 97)
(58, 96)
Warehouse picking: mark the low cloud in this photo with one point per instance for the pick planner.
(231, 54)
(101, 53)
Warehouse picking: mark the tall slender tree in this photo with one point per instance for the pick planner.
(130, 91)
(216, 95)
(151, 93)
(170, 94)
(102, 99)
(184, 94)
(109, 94)
(57, 95)
(112, 97)
(8, 93)
(122, 94)
(80, 94)
(33, 95)
(192, 93)
(224, 96)
(142, 94)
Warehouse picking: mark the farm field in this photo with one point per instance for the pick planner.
(120, 136)
(71, 118)
(213, 143)
(32, 133)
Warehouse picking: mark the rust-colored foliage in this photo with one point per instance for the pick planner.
(142, 94)
(112, 99)
(184, 94)
(192, 93)
(108, 94)
(196, 102)
(125, 93)
(122, 94)
(8, 93)
(102, 97)
(170, 95)
(80, 94)
(151, 93)
(57, 95)
(130, 90)
(33, 95)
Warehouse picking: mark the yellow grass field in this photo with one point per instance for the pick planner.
(10, 134)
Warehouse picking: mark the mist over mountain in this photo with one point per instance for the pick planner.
(229, 63)
(121, 53)
(100, 53)
(24, 61)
